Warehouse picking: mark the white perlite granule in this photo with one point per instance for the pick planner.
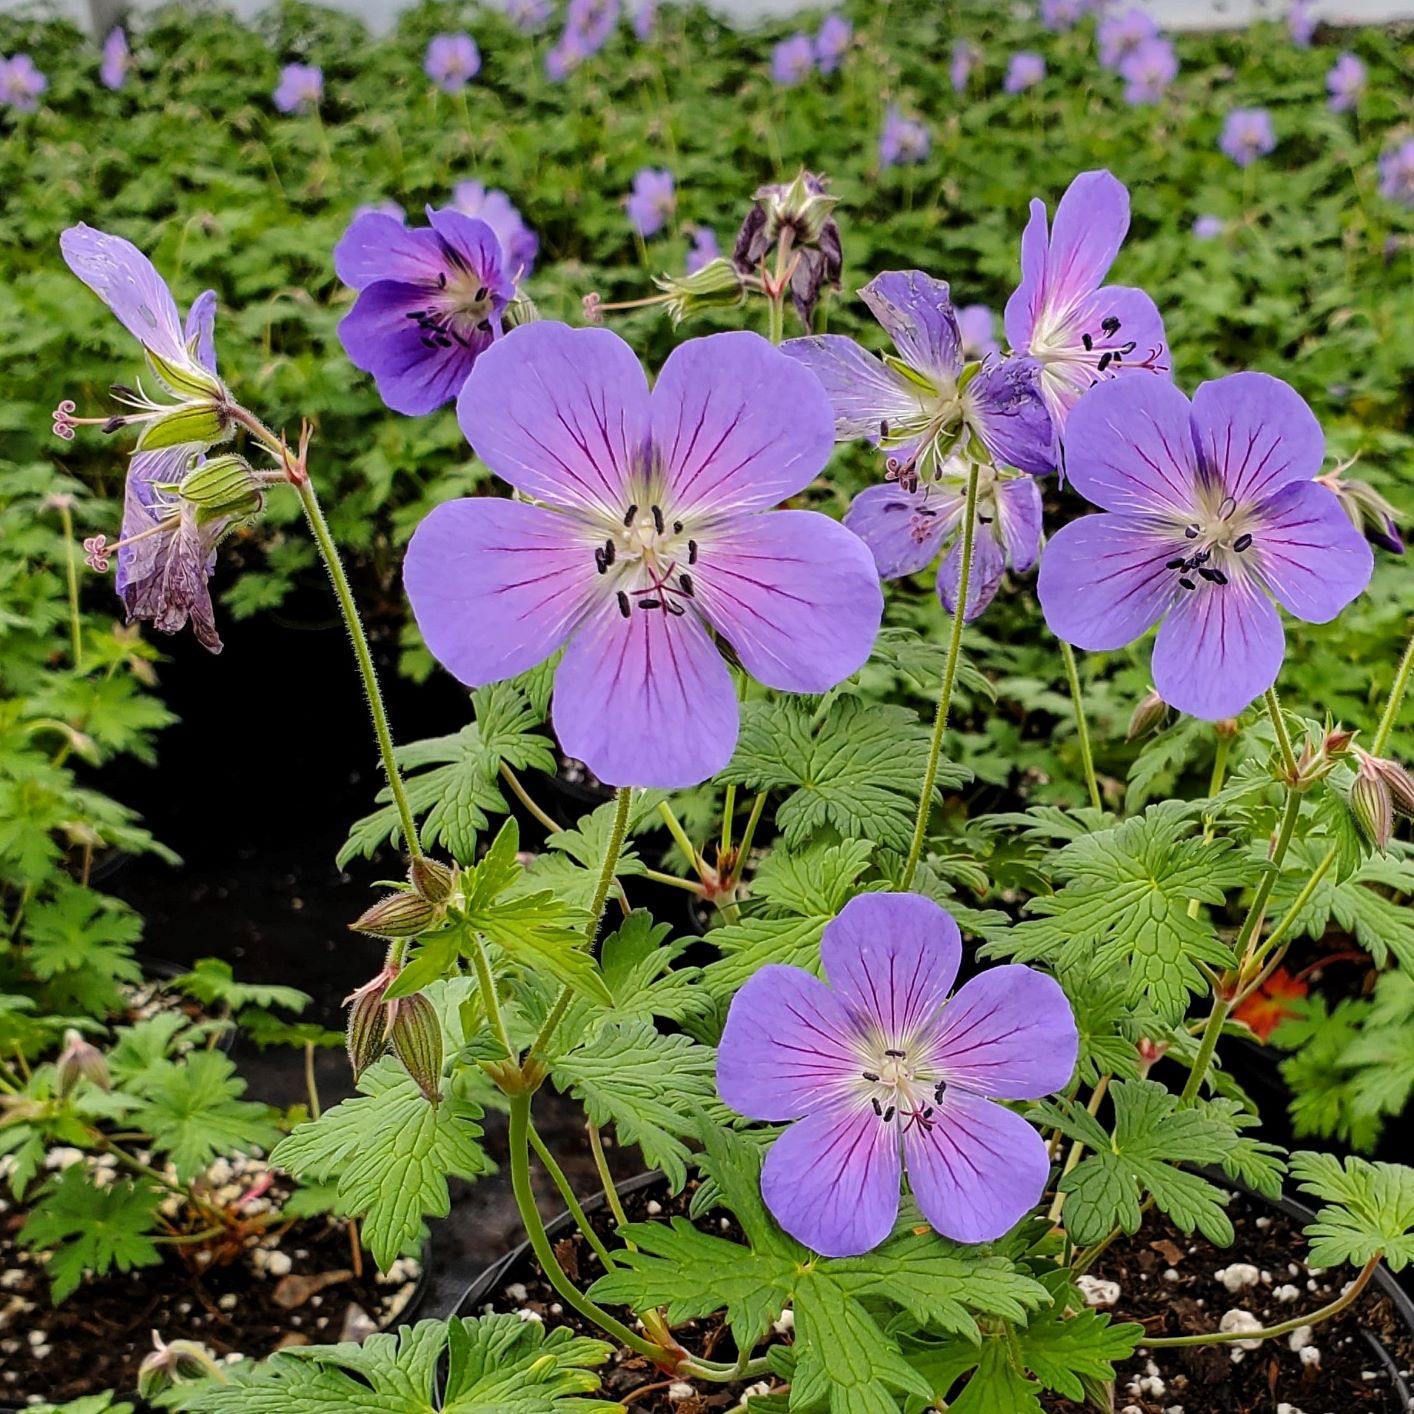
(1236, 1320)
(1098, 1292)
(1238, 1277)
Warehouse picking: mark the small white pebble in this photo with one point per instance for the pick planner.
(278, 1264)
(725, 1224)
(228, 1301)
(654, 1207)
(786, 1324)
(1238, 1277)
(1153, 1386)
(1287, 1294)
(1239, 1320)
(535, 1316)
(557, 1310)
(1369, 1376)
(1171, 1274)
(1311, 1355)
(516, 1291)
(761, 1387)
(37, 1337)
(1098, 1291)
(1288, 1409)
(1301, 1337)
(1264, 1222)
(680, 1391)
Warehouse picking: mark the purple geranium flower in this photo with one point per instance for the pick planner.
(21, 83)
(1148, 72)
(793, 60)
(652, 201)
(528, 15)
(1079, 329)
(903, 140)
(1208, 228)
(965, 57)
(590, 22)
(1211, 508)
(913, 406)
(166, 551)
(978, 326)
(832, 42)
(704, 249)
(429, 303)
(645, 19)
(1247, 135)
(1025, 71)
(386, 207)
(1345, 83)
(452, 61)
(300, 89)
(113, 72)
(1301, 22)
(519, 244)
(905, 529)
(645, 537)
(1061, 15)
(1397, 173)
(1124, 34)
(882, 1072)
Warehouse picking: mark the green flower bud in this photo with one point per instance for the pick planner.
(367, 1035)
(1148, 715)
(803, 204)
(402, 915)
(178, 1363)
(432, 879)
(1372, 807)
(521, 310)
(416, 1036)
(717, 285)
(188, 379)
(80, 1061)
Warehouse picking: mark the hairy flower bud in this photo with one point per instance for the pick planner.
(717, 285)
(367, 1035)
(1148, 715)
(1372, 806)
(80, 1061)
(1337, 741)
(1397, 780)
(224, 485)
(521, 310)
(401, 915)
(175, 1363)
(432, 879)
(416, 1036)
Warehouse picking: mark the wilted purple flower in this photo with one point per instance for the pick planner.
(881, 1072)
(905, 529)
(913, 406)
(429, 303)
(113, 72)
(452, 61)
(519, 244)
(166, 551)
(978, 326)
(704, 249)
(1397, 173)
(646, 532)
(832, 42)
(527, 15)
(301, 88)
(1148, 71)
(1025, 71)
(21, 83)
(803, 208)
(793, 60)
(1210, 508)
(1369, 512)
(1061, 15)
(591, 22)
(1062, 314)
(1247, 135)
(645, 19)
(965, 57)
(1208, 228)
(652, 201)
(1301, 22)
(903, 140)
(1122, 35)
(1345, 83)
(386, 207)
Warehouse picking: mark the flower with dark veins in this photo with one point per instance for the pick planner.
(1211, 512)
(881, 1072)
(429, 304)
(643, 533)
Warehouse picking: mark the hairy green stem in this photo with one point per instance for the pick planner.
(1083, 730)
(1334, 1308)
(490, 1000)
(1396, 700)
(330, 554)
(72, 570)
(606, 1178)
(1288, 754)
(940, 719)
(576, 1208)
(675, 829)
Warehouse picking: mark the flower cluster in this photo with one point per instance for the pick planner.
(21, 83)
(795, 58)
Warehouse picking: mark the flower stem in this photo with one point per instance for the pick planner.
(596, 915)
(748, 836)
(1073, 676)
(1396, 701)
(329, 551)
(490, 1002)
(1334, 1308)
(546, 822)
(545, 1253)
(679, 835)
(606, 1178)
(1288, 754)
(940, 719)
(576, 1209)
(72, 570)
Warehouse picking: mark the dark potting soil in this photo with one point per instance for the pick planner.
(245, 1300)
(1170, 1284)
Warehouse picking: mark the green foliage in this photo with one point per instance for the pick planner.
(1369, 1210)
(390, 1153)
(495, 1365)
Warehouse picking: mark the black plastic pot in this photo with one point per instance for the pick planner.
(485, 1287)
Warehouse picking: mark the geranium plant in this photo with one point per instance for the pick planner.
(922, 1174)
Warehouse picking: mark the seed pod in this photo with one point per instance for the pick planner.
(195, 424)
(403, 915)
(1148, 715)
(432, 879)
(717, 285)
(416, 1035)
(222, 485)
(1373, 808)
(80, 1061)
(367, 1035)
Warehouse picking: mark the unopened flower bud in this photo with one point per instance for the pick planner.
(416, 1036)
(1369, 512)
(432, 879)
(1337, 741)
(717, 285)
(401, 915)
(224, 485)
(1372, 806)
(1397, 779)
(521, 310)
(80, 1061)
(367, 1035)
(1148, 715)
(177, 1363)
